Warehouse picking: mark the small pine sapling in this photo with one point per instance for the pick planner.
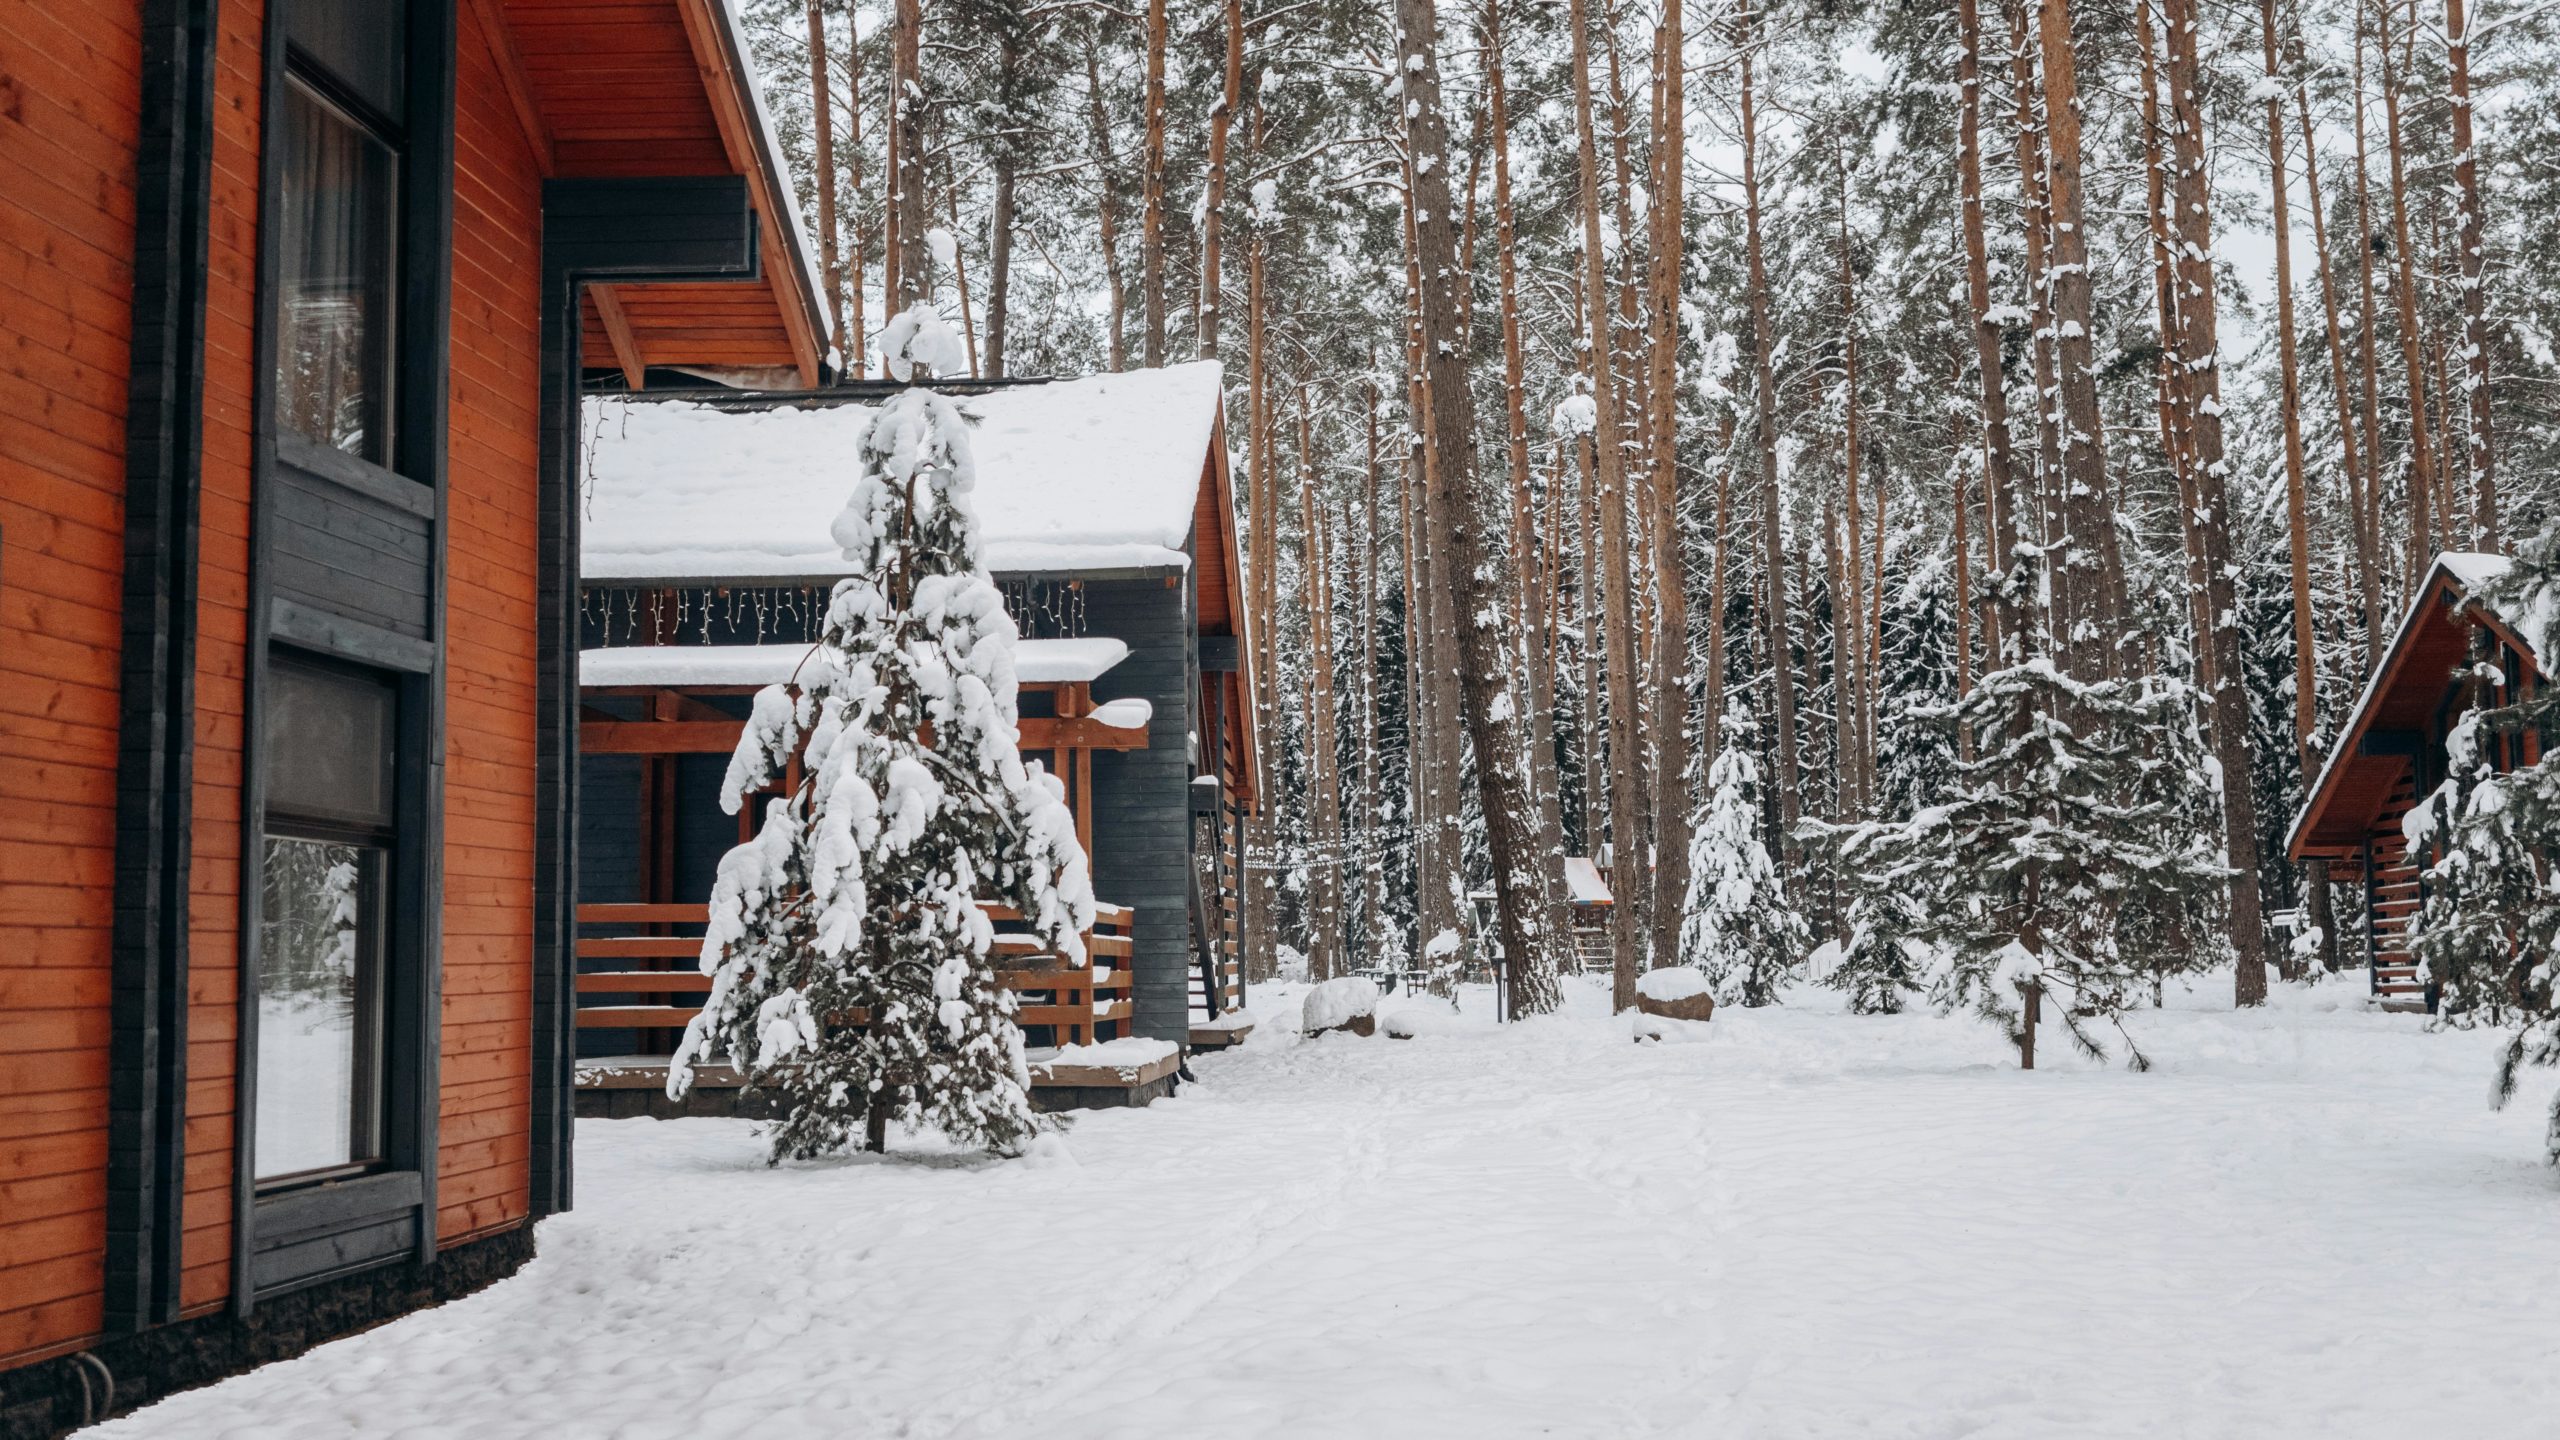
(850, 960)
(2488, 933)
(1737, 925)
(2069, 861)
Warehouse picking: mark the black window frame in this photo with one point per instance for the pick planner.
(347, 567)
(283, 821)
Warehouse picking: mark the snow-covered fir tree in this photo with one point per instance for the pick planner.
(849, 957)
(1739, 926)
(2488, 934)
(1916, 755)
(2072, 856)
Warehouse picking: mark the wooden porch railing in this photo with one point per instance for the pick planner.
(656, 989)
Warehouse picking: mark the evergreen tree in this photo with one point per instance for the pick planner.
(2076, 855)
(2488, 934)
(1916, 756)
(1738, 925)
(859, 895)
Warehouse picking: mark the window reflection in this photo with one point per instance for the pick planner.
(333, 351)
(319, 1007)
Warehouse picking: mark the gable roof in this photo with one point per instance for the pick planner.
(2403, 692)
(1076, 477)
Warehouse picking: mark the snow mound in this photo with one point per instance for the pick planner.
(1420, 1015)
(1673, 982)
(1337, 1003)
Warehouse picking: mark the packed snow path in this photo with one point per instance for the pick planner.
(2304, 1222)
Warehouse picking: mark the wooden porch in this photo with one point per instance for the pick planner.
(639, 975)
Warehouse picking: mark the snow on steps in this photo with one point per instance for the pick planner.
(1131, 1061)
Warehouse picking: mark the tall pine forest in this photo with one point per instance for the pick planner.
(1610, 380)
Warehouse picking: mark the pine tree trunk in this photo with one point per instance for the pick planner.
(856, 339)
(1536, 644)
(2082, 629)
(2306, 675)
(822, 112)
(1107, 207)
(1438, 768)
(1999, 467)
(2368, 361)
(1772, 527)
(2174, 405)
(2470, 246)
(1324, 890)
(2422, 483)
(1633, 352)
(2361, 522)
(1671, 572)
(960, 272)
(1372, 789)
(1151, 238)
(1531, 916)
(2034, 519)
(1213, 201)
(1849, 621)
(2199, 352)
(1262, 892)
(1627, 935)
(999, 258)
(911, 280)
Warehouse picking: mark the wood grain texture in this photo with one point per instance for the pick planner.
(68, 137)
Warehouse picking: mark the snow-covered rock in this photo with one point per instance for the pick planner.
(1675, 992)
(1349, 1003)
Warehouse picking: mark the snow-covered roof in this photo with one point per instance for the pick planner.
(1035, 662)
(2469, 569)
(1582, 882)
(1079, 476)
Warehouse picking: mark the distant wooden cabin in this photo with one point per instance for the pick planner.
(1588, 903)
(1106, 516)
(297, 298)
(2390, 755)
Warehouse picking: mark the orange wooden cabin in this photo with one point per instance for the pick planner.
(2390, 755)
(298, 297)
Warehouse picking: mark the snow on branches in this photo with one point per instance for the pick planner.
(850, 960)
(2076, 855)
(1737, 926)
(2488, 932)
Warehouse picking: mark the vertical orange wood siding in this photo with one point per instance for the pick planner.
(491, 485)
(70, 83)
(69, 88)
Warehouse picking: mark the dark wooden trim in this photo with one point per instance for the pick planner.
(317, 629)
(363, 476)
(155, 762)
(262, 1264)
(636, 231)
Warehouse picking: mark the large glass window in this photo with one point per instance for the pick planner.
(337, 282)
(323, 921)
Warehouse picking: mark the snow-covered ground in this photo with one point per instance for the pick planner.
(2304, 1221)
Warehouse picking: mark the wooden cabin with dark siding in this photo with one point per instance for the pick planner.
(297, 296)
(2390, 755)
(1105, 514)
